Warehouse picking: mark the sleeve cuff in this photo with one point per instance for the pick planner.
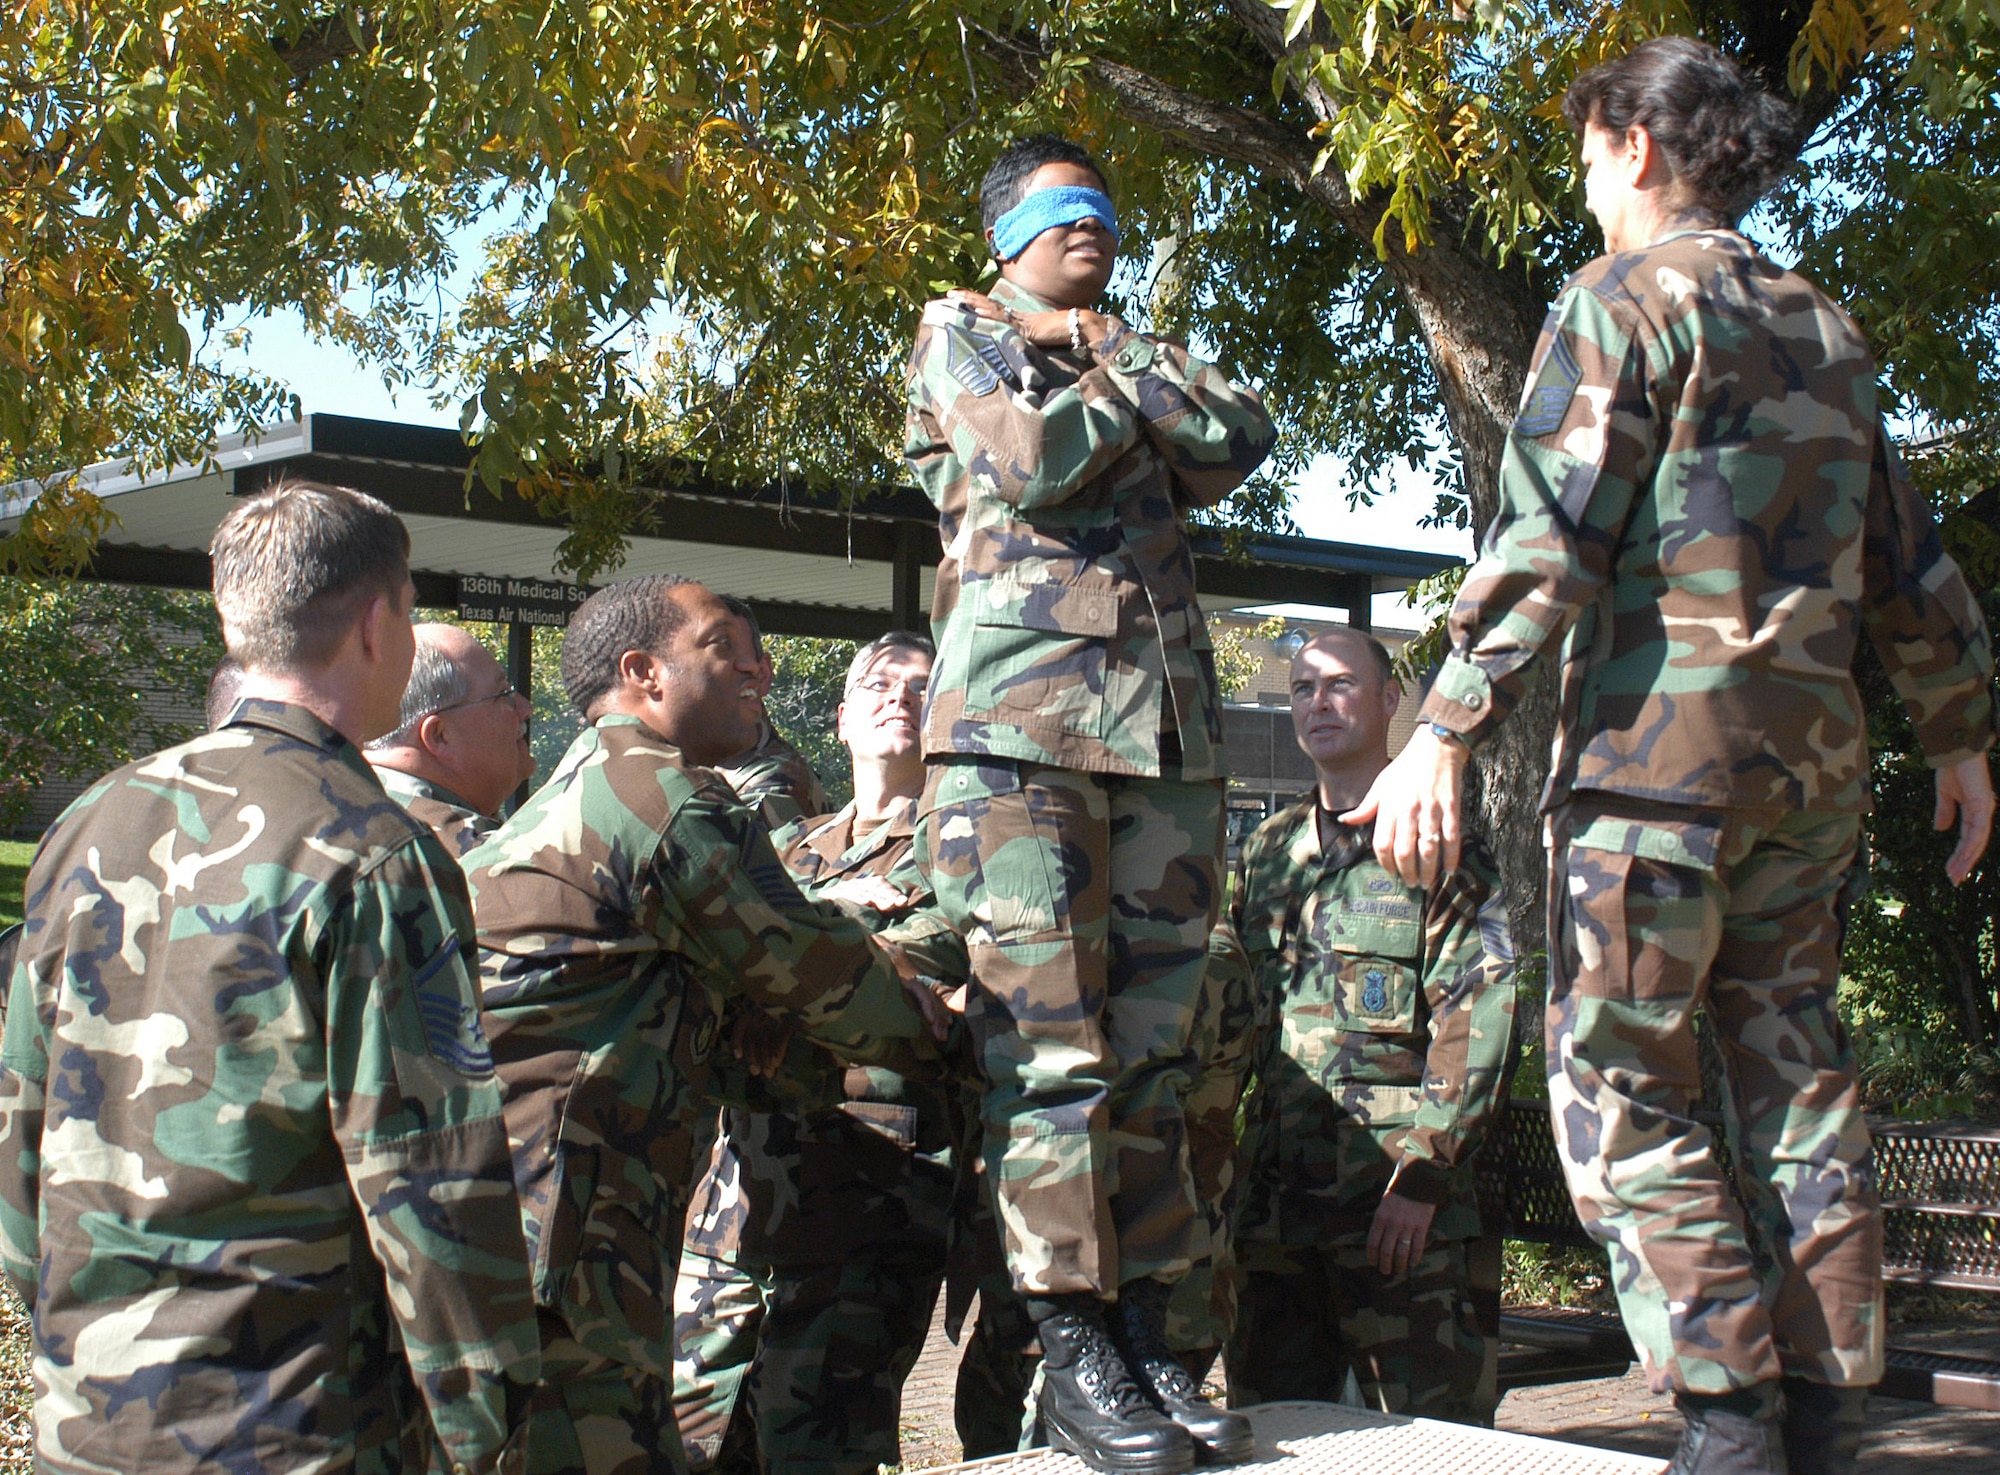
(1461, 699)
(1421, 1181)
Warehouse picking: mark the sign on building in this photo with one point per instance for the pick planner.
(518, 601)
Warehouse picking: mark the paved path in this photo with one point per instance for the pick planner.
(1612, 1413)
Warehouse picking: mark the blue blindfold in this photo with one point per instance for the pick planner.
(1063, 204)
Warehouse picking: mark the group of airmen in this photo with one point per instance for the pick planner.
(347, 1125)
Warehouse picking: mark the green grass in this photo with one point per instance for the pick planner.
(14, 858)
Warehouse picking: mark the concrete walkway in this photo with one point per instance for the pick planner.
(1610, 1413)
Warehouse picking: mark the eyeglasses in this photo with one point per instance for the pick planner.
(881, 686)
(504, 694)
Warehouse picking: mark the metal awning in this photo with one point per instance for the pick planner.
(806, 565)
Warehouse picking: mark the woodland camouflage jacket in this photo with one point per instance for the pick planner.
(1699, 489)
(620, 909)
(1384, 1036)
(250, 1136)
(1065, 612)
(451, 819)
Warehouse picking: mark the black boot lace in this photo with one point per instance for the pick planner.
(1102, 1375)
(1150, 1356)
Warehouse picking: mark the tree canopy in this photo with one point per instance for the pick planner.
(709, 226)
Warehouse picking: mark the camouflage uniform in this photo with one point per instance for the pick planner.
(625, 902)
(1203, 1308)
(1385, 1043)
(451, 819)
(816, 1241)
(1072, 820)
(254, 1173)
(774, 779)
(718, 1304)
(1700, 489)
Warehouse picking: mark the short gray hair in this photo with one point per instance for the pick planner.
(294, 566)
(435, 684)
(880, 646)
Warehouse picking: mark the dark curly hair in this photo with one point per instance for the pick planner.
(635, 614)
(1006, 182)
(1725, 138)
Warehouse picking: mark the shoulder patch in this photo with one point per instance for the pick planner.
(977, 362)
(1546, 404)
(451, 1025)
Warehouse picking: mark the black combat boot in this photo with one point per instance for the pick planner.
(1823, 1427)
(1220, 1436)
(1730, 1434)
(1090, 1405)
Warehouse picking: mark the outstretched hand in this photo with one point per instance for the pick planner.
(1414, 803)
(1965, 794)
(933, 1005)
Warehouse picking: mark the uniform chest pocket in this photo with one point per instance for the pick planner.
(1375, 959)
(1039, 650)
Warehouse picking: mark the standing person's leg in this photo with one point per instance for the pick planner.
(1019, 857)
(1413, 1340)
(1165, 891)
(1631, 941)
(1284, 1344)
(1166, 872)
(838, 1343)
(1797, 1132)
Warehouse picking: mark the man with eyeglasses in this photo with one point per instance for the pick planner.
(462, 744)
(817, 1241)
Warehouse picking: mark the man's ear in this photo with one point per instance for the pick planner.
(373, 626)
(1392, 696)
(430, 732)
(637, 668)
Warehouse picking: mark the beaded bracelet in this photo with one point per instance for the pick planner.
(1076, 329)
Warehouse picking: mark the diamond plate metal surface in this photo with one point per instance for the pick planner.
(1328, 1439)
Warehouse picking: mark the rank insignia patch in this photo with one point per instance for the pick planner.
(451, 1025)
(1548, 402)
(977, 363)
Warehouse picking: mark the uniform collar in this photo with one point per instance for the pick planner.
(1305, 850)
(832, 839)
(292, 721)
(766, 736)
(1020, 299)
(400, 782)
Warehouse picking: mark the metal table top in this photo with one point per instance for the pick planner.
(1330, 1439)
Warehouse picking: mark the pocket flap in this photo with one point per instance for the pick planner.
(1071, 608)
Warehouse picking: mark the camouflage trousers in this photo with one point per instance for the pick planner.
(796, 1370)
(718, 1315)
(1653, 913)
(592, 1416)
(1086, 901)
(1309, 1314)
